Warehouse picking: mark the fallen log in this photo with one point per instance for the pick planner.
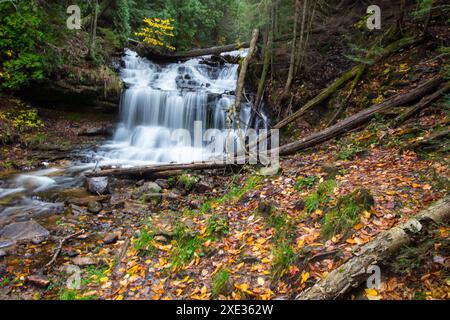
(216, 50)
(325, 93)
(354, 272)
(359, 118)
(157, 171)
(422, 103)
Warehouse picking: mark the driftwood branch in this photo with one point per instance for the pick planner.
(153, 171)
(59, 248)
(352, 273)
(360, 118)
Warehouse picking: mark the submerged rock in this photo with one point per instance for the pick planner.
(38, 280)
(110, 238)
(24, 231)
(83, 261)
(98, 185)
(94, 206)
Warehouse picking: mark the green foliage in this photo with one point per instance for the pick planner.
(144, 242)
(220, 283)
(121, 20)
(321, 196)
(305, 182)
(346, 213)
(216, 226)
(283, 256)
(186, 244)
(21, 43)
(188, 181)
(349, 152)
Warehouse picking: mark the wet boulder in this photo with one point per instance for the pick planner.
(24, 231)
(98, 185)
(94, 207)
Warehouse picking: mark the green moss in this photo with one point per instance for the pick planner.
(221, 283)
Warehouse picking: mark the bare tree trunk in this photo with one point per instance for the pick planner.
(290, 77)
(352, 273)
(93, 30)
(265, 70)
(241, 80)
(302, 32)
(401, 16)
(360, 118)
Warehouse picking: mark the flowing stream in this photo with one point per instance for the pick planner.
(158, 101)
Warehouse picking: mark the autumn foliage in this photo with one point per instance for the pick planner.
(157, 32)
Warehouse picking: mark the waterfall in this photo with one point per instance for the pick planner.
(159, 99)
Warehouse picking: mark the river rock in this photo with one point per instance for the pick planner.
(150, 187)
(110, 238)
(203, 187)
(24, 231)
(38, 280)
(163, 183)
(94, 207)
(83, 261)
(98, 185)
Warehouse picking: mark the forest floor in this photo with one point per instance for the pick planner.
(239, 234)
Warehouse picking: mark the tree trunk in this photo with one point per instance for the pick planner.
(352, 273)
(242, 73)
(93, 30)
(359, 118)
(402, 43)
(290, 77)
(422, 103)
(156, 170)
(265, 70)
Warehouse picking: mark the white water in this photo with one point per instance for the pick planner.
(162, 98)
(158, 100)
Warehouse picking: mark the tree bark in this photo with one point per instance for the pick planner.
(402, 43)
(424, 102)
(243, 71)
(93, 30)
(154, 171)
(360, 118)
(290, 77)
(352, 273)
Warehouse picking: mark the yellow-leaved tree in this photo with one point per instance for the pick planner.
(157, 32)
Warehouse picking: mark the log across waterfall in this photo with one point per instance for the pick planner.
(163, 100)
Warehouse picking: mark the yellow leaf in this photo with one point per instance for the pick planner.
(357, 226)
(305, 276)
(371, 292)
(261, 281)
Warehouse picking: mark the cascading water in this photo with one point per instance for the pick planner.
(159, 99)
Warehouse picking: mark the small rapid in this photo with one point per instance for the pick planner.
(157, 102)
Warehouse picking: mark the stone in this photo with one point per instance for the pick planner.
(161, 238)
(203, 187)
(24, 231)
(2, 253)
(98, 185)
(150, 187)
(195, 204)
(83, 261)
(299, 205)
(38, 280)
(163, 183)
(110, 238)
(94, 206)
(72, 253)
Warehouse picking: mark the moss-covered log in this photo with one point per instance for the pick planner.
(352, 273)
